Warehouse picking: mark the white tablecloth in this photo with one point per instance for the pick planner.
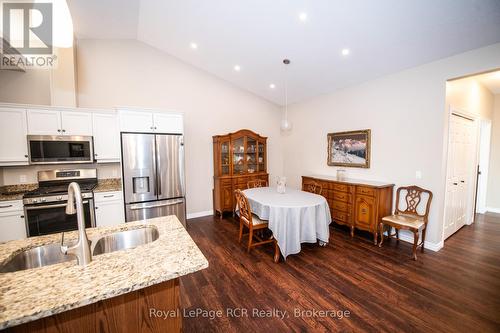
(294, 217)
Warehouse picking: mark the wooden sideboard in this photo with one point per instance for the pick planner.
(355, 203)
(238, 158)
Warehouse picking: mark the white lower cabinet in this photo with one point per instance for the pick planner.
(12, 225)
(109, 209)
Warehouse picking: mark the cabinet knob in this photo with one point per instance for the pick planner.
(95, 155)
(26, 156)
(22, 216)
(97, 208)
(64, 130)
(59, 130)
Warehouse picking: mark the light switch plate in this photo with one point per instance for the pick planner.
(418, 174)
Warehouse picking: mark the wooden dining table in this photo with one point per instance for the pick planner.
(294, 217)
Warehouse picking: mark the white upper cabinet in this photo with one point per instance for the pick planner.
(106, 137)
(151, 122)
(168, 123)
(13, 142)
(136, 121)
(76, 123)
(44, 122)
(51, 122)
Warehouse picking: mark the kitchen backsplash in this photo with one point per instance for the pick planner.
(28, 174)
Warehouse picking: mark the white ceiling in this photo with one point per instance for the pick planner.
(384, 36)
(490, 81)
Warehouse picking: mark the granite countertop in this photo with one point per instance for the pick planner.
(40, 292)
(108, 185)
(15, 192)
(371, 183)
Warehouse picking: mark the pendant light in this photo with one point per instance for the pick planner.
(286, 125)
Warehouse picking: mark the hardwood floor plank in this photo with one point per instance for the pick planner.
(454, 290)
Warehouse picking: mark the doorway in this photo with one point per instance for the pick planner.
(483, 167)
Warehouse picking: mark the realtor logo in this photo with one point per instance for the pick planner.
(27, 28)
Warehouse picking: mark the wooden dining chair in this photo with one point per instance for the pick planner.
(312, 187)
(253, 223)
(257, 183)
(409, 218)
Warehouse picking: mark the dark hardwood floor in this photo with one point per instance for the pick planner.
(454, 290)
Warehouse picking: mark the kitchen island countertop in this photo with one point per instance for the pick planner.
(36, 293)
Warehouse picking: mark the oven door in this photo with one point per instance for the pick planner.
(47, 149)
(52, 218)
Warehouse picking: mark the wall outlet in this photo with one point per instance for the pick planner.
(22, 179)
(418, 174)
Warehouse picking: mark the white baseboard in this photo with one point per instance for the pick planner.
(408, 237)
(200, 214)
(493, 210)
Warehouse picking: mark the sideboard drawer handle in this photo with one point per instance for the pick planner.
(109, 196)
(6, 206)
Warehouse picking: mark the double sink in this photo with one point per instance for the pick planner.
(50, 254)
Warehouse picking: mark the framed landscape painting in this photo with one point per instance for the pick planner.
(349, 149)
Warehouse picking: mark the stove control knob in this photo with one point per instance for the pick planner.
(34, 201)
(59, 198)
(43, 200)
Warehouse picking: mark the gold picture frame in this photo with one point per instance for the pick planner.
(349, 149)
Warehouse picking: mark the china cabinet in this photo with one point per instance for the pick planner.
(238, 158)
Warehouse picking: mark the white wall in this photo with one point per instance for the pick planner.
(470, 96)
(407, 114)
(129, 73)
(30, 87)
(493, 192)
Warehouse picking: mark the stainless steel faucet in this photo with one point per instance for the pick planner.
(82, 247)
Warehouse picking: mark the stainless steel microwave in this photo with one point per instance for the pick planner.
(60, 149)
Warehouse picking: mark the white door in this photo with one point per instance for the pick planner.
(106, 137)
(460, 183)
(13, 142)
(136, 121)
(168, 123)
(44, 122)
(76, 123)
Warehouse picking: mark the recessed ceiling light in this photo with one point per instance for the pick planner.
(303, 17)
(272, 86)
(345, 52)
(194, 46)
(237, 68)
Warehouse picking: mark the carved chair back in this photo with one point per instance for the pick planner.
(313, 187)
(244, 207)
(415, 196)
(256, 183)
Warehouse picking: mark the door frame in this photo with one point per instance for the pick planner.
(453, 111)
(484, 151)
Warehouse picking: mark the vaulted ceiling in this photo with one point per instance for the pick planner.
(382, 36)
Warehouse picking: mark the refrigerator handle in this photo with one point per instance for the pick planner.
(158, 167)
(181, 162)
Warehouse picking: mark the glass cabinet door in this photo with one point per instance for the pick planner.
(261, 157)
(251, 155)
(239, 156)
(224, 155)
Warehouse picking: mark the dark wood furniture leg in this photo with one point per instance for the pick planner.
(276, 252)
(415, 243)
(381, 228)
(423, 239)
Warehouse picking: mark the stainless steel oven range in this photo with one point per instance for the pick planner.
(44, 208)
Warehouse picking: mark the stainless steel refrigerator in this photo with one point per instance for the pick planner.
(153, 176)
